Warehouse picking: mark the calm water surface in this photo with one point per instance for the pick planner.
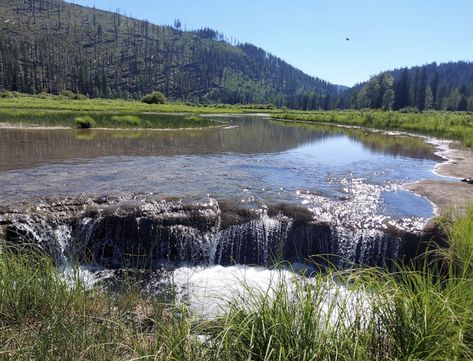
(253, 161)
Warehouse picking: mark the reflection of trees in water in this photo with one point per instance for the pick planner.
(26, 147)
(408, 146)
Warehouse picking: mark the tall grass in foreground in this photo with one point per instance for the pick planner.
(421, 313)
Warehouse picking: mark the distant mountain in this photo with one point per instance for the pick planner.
(52, 46)
(447, 86)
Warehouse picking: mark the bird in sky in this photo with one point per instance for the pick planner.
(347, 39)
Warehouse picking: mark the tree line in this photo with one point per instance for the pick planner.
(53, 46)
(446, 86)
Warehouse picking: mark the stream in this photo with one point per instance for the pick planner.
(202, 206)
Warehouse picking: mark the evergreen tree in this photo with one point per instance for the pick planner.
(421, 88)
(402, 90)
(434, 87)
(429, 98)
(388, 100)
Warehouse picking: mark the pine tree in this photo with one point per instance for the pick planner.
(388, 99)
(434, 86)
(402, 90)
(421, 88)
(429, 98)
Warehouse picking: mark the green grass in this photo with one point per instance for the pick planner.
(63, 110)
(456, 126)
(96, 119)
(416, 313)
(58, 102)
(84, 122)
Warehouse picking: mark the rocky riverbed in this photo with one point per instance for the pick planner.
(143, 230)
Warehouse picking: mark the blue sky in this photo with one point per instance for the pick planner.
(310, 34)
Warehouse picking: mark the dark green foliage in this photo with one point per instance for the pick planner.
(442, 87)
(55, 46)
(84, 122)
(154, 98)
(72, 96)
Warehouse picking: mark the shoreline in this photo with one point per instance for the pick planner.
(447, 196)
(4, 125)
(450, 195)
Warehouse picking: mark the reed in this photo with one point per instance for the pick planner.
(93, 119)
(415, 313)
(450, 125)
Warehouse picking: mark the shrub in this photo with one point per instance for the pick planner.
(193, 118)
(409, 110)
(6, 94)
(43, 95)
(84, 122)
(78, 96)
(154, 98)
(73, 96)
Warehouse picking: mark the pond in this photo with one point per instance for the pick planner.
(252, 161)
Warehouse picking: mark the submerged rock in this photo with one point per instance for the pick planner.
(145, 230)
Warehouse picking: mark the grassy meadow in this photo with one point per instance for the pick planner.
(417, 313)
(80, 112)
(14, 100)
(98, 119)
(450, 125)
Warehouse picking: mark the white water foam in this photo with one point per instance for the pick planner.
(209, 291)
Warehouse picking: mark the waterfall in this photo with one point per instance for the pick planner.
(141, 231)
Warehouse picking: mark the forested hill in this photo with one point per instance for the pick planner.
(52, 46)
(447, 86)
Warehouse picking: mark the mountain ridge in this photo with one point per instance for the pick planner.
(55, 46)
(64, 46)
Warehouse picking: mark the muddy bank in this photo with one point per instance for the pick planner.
(449, 194)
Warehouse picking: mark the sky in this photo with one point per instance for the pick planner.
(311, 34)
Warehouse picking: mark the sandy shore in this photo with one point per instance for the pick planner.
(451, 194)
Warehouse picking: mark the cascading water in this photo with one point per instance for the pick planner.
(142, 231)
(324, 194)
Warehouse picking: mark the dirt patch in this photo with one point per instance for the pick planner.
(449, 195)
(459, 164)
(445, 195)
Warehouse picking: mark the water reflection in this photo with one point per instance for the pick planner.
(253, 162)
(21, 148)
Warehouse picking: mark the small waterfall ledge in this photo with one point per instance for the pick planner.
(145, 230)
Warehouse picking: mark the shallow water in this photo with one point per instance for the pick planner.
(253, 161)
(349, 178)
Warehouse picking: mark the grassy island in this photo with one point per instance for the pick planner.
(77, 111)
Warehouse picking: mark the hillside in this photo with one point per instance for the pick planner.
(52, 46)
(447, 86)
